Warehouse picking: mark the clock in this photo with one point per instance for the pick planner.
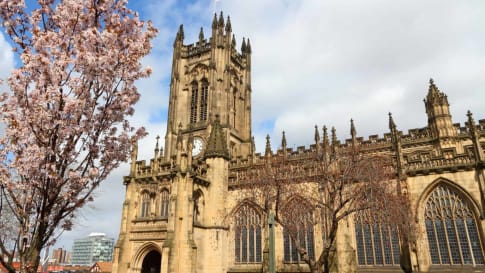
(197, 146)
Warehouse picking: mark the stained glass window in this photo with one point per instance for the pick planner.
(164, 201)
(247, 232)
(298, 231)
(203, 100)
(145, 204)
(193, 102)
(377, 243)
(451, 229)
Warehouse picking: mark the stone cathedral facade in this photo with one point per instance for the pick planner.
(181, 214)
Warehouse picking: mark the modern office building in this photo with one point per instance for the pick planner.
(97, 247)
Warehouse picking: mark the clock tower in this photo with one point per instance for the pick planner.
(210, 78)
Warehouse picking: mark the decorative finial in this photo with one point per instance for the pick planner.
(201, 35)
(325, 136)
(243, 46)
(221, 20)
(157, 150)
(233, 41)
(134, 151)
(268, 151)
(228, 25)
(214, 21)
(392, 125)
(334, 136)
(248, 49)
(317, 135)
(180, 33)
(433, 89)
(253, 145)
(471, 122)
(283, 141)
(353, 132)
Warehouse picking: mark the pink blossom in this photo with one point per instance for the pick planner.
(66, 112)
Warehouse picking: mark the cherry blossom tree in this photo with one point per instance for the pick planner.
(65, 114)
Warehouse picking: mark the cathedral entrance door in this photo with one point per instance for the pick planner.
(151, 262)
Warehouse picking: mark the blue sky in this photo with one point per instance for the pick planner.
(314, 62)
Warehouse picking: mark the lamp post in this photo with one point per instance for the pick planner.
(272, 263)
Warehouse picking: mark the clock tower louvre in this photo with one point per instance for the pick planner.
(209, 78)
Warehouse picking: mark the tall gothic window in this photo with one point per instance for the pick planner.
(198, 206)
(377, 243)
(194, 102)
(234, 106)
(164, 201)
(451, 228)
(203, 100)
(247, 232)
(298, 232)
(145, 204)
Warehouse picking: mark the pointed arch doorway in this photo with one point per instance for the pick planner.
(151, 262)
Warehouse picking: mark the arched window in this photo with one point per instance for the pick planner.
(203, 100)
(451, 228)
(377, 243)
(298, 230)
(193, 102)
(145, 204)
(198, 206)
(234, 107)
(247, 232)
(164, 201)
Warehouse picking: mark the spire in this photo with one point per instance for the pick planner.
(228, 25)
(253, 146)
(334, 141)
(392, 125)
(157, 149)
(478, 151)
(216, 145)
(214, 21)
(317, 135)
(334, 136)
(435, 96)
(243, 46)
(325, 137)
(283, 142)
(248, 49)
(201, 35)
(267, 151)
(393, 128)
(353, 132)
(134, 156)
(233, 41)
(221, 20)
(438, 111)
(471, 122)
(432, 90)
(180, 33)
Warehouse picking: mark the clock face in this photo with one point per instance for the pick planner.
(198, 145)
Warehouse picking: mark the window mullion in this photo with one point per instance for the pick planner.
(465, 224)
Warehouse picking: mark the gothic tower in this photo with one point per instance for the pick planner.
(438, 111)
(173, 218)
(210, 78)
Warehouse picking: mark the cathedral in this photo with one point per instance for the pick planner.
(182, 214)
